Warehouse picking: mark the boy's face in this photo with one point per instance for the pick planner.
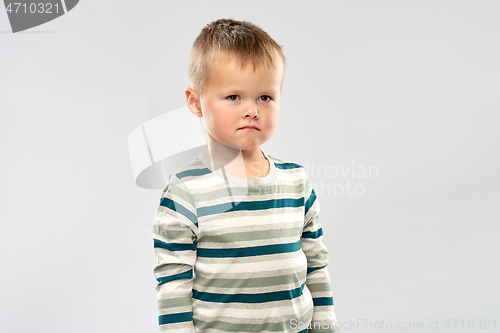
(234, 98)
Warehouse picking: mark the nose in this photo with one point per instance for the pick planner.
(252, 111)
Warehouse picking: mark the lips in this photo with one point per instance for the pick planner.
(249, 127)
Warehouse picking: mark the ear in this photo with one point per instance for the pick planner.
(193, 102)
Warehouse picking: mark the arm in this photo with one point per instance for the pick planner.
(317, 278)
(174, 233)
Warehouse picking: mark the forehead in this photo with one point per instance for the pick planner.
(234, 60)
(224, 66)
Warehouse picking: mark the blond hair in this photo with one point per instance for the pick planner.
(227, 37)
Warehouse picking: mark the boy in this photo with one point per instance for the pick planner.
(239, 247)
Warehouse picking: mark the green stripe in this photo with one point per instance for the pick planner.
(177, 207)
(314, 287)
(193, 172)
(272, 296)
(167, 267)
(318, 258)
(312, 269)
(322, 301)
(283, 326)
(249, 251)
(287, 165)
(174, 246)
(289, 190)
(250, 283)
(179, 276)
(172, 233)
(313, 234)
(251, 235)
(174, 302)
(250, 205)
(310, 201)
(175, 318)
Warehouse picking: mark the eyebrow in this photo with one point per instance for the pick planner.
(239, 92)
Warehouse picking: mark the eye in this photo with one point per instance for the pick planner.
(232, 97)
(268, 98)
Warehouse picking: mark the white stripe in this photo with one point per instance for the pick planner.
(238, 219)
(64, 6)
(299, 306)
(249, 243)
(297, 263)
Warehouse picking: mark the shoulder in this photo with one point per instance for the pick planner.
(293, 170)
(286, 164)
(290, 170)
(186, 174)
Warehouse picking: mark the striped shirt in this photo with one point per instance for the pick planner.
(241, 254)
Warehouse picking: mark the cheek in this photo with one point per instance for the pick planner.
(222, 121)
(212, 115)
(271, 122)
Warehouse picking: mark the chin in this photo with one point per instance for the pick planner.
(250, 147)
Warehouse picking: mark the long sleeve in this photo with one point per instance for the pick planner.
(317, 278)
(174, 233)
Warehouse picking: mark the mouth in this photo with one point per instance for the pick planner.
(254, 128)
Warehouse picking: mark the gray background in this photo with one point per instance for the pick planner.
(410, 87)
